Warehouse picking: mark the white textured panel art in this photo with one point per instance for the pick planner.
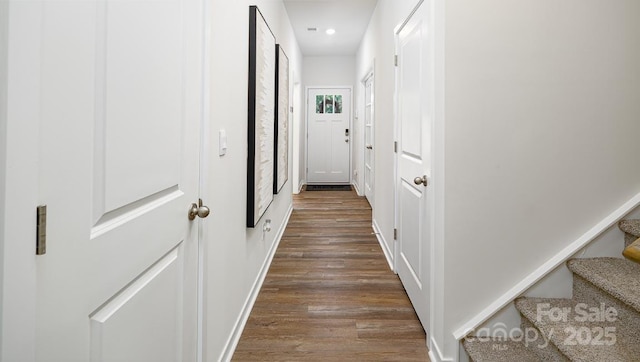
(262, 70)
(282, 121)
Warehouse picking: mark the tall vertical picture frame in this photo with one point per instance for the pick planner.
(281, 150)
(261, 113)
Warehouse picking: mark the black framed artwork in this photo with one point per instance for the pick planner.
(281, 150)
(261, 113)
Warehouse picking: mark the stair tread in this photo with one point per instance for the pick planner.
(618, 277)
(632, 251)
(631, 226)
(583, 347)
(497, 350)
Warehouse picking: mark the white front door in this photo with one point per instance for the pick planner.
(368, 138)
(117, 89)
(414, 122)
(328, 135)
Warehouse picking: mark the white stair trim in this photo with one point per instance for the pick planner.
(547, 267)
(435, 354)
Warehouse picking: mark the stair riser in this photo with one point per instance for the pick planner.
(548, 352)
(628, 319)
(483, 350)
(629, 239)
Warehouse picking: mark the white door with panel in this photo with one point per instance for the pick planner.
(368, 139)
(328, 135)
(117, 86)
(414, 82)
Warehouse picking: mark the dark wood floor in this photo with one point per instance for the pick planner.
(329, 294)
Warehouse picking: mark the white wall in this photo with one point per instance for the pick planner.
(541, 137)
(540, 120)
(328, 71)
(4, 17)
(235, 255)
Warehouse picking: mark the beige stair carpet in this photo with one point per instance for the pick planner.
(600, 323)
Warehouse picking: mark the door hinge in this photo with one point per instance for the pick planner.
(395, 60)
(41, 230)
(395, 146)
(395, 234)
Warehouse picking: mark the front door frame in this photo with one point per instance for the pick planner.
(307, 113)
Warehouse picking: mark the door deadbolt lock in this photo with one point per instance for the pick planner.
(198, 210)
(420, 180)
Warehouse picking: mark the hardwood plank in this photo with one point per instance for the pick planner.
(329, 294)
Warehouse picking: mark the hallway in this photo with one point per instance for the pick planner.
(329, 294)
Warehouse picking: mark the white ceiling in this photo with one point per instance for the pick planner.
(348, 17)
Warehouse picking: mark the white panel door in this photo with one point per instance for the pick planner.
(368, 139)
(119, 87)
(328, 135)
(414, 122)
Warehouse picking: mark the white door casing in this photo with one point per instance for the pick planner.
(415, 114)
(369, 151)
(117, 86)
(328, 136)
(296, 127)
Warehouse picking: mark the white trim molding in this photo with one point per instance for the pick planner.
(437, 293)
(435, 355)
(355, 187)
(548, 267)
(370, 74)
(234, 337)
(383, 244)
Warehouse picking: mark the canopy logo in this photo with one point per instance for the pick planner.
(578, 324)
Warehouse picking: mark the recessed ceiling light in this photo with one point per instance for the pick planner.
(331, 31)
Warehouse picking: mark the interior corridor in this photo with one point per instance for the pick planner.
(329, 294)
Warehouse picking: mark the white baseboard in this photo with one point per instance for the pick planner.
(547, 267)
(234, 338)
(383, 244)
(300, 186)
(356, 188)
(435, 355)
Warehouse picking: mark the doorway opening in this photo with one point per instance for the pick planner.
(328, 135)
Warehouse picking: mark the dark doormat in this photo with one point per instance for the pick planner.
(328, 188)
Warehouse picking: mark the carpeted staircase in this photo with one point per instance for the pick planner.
(600, 323)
